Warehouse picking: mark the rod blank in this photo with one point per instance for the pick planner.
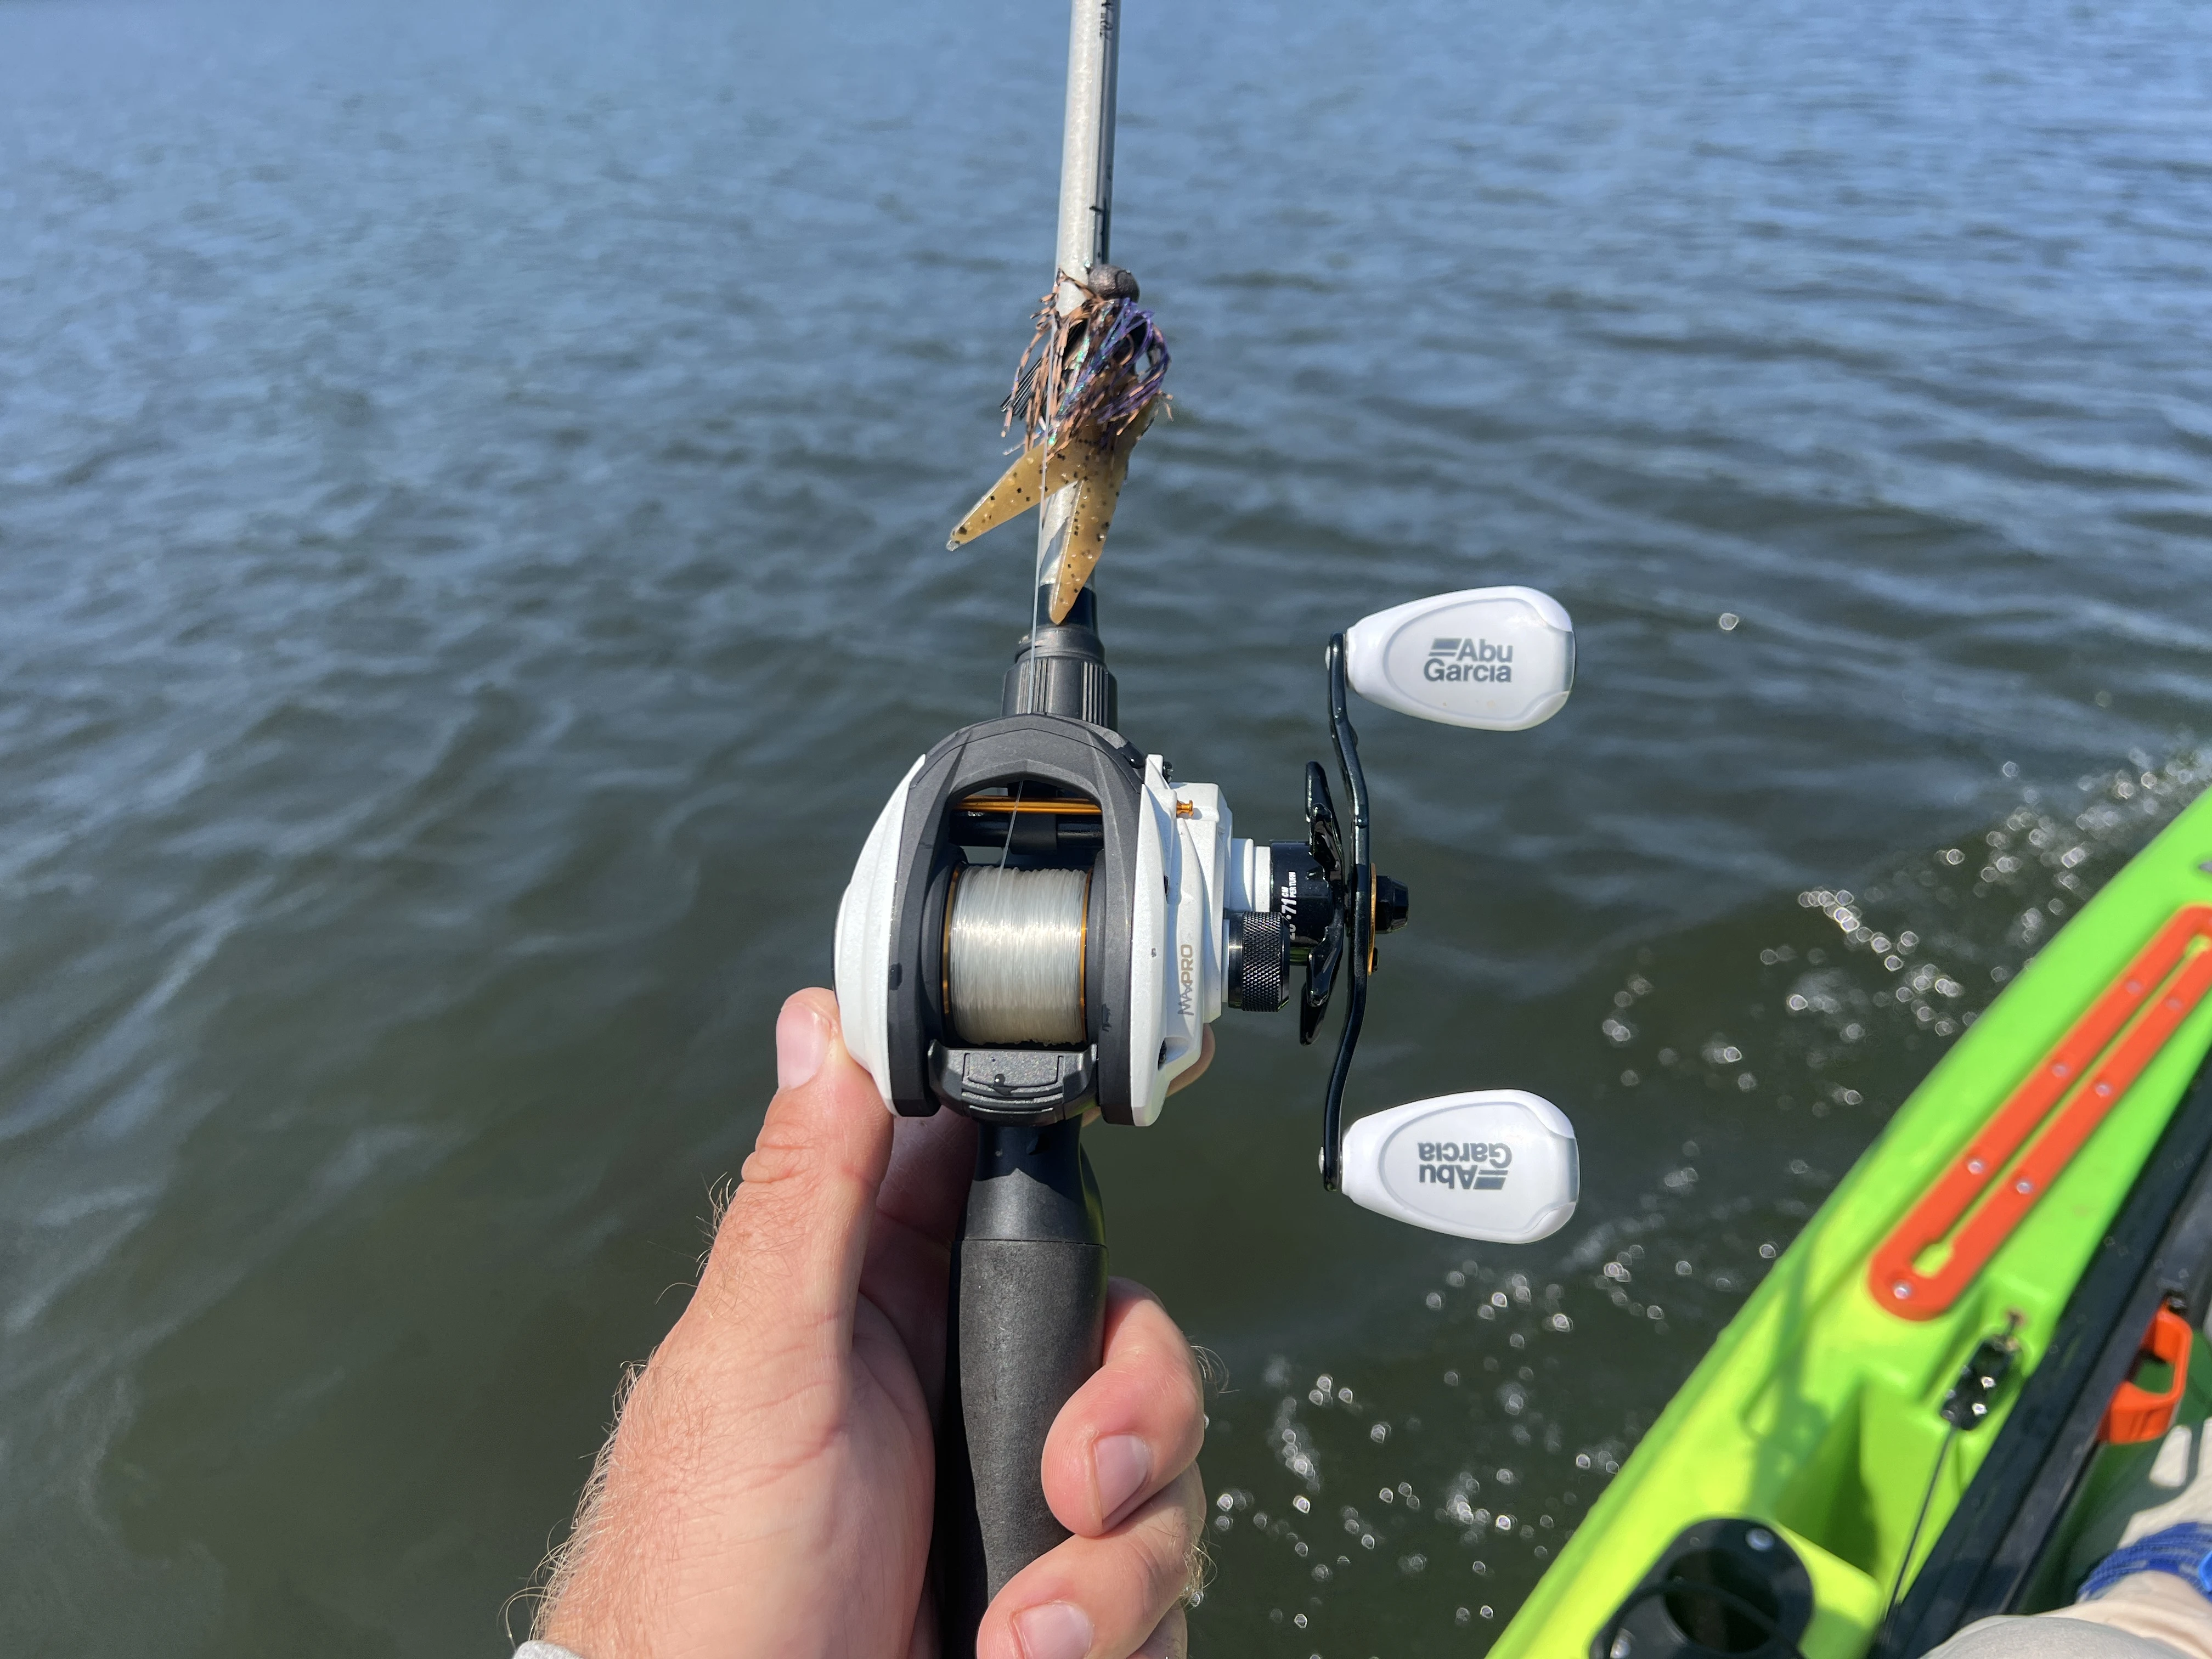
(1086, 206)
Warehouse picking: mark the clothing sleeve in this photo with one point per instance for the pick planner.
(2042, 1636)
(544, 1650)
(2145, 1615)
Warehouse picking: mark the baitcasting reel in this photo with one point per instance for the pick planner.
(1043, 918)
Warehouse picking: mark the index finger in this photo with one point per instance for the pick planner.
(1135, 1426)
(908, 1266)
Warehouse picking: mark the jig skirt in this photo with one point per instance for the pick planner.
(1089, 385)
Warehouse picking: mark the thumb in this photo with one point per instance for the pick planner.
(790, 1247)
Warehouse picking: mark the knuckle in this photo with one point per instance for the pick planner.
(1169, 1369)
(1170, 1637)
(1190, 1493)
(783, 1153)
(1190, 1392)
(1162, 1532)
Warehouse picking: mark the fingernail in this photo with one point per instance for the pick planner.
(1058, 1630)
(801, 1039)
(1123, 1463)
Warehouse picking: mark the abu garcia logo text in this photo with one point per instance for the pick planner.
(1468, 659)
(1479, 1166)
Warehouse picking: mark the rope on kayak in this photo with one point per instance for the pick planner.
(1609, 1638)
(1966, 1407)
(1926, 1498)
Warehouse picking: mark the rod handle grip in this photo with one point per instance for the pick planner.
(1025, 1328)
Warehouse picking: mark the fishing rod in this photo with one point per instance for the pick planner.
(1043, 920)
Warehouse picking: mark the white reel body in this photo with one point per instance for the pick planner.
(1030, 1000)
(1497, 1164)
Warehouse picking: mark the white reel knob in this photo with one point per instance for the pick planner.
(1497, 659)
(1496, 1164)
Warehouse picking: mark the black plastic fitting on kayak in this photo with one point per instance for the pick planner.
(1724, 1587)
(1027, 1323)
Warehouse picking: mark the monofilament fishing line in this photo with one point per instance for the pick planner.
(1014, 954)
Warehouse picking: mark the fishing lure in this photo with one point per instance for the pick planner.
(1088, 387)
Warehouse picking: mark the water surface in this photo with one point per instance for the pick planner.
(472, 486)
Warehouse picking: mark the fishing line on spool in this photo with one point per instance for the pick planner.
(1013, 954)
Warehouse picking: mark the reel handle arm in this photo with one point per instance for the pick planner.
(1359, 916)
(1347, 751)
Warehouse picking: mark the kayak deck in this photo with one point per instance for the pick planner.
(1815, 1411)
(2052, 1493)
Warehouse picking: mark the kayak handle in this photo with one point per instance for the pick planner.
(2135, 1415)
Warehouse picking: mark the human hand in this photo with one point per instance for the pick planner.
(767, 1489)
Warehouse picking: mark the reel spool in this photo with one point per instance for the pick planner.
(1013, 955)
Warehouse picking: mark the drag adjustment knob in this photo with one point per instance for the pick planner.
(1256, 962)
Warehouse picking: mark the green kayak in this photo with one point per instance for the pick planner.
(1913, 1405)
